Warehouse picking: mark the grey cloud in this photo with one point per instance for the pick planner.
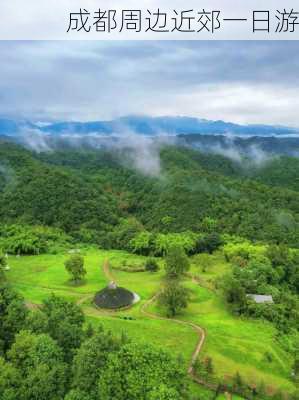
(254, 82)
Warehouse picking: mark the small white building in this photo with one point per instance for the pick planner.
(261, 298)
(74, 251)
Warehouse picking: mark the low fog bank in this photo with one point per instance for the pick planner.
(138, 151)
(254, 150)
(142, 152)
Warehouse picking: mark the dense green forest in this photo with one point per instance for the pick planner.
(94, 196)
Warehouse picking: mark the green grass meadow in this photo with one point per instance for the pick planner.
(234, 344)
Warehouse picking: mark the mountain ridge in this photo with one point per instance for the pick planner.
(146, 125)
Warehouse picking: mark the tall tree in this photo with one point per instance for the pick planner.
(75, 267)
(174, 297)
(177, 262)
(39, 360)
(12, 315)
(65, 324)
(91, 360)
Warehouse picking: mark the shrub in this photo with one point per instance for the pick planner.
(3, 265)
(209, 243)
(151, 265)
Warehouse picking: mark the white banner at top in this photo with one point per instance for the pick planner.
(149, 20)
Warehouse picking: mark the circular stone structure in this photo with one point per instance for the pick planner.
(113, 297)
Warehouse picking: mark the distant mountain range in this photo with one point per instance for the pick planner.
(145, 125)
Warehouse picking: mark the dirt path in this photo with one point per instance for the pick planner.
(83, 299)
(32, 306)
(107, 271)
(200, 331)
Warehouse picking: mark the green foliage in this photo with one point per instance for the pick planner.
(36, 322)
(10, 379)
(209, 225)
(243, 249)
(23, 239)
(91, 360)
(77, 395)
(162, 243)
(39, 360)
(151, 265)
(176, 262)
(124, 233)
(278, 255)
(174, 298)
(75, 267)
(142, 243)
(44, 194)
(90, 196)
(142, 373)
(12, 315)
(65, 324)
(280, 172)
(146, 243)
(204, 368)
(255, 273)
(209, 243)
(238, 383)
(296, 367)
(209, 365)
(295, 395)
(235, 294)
(3, 266)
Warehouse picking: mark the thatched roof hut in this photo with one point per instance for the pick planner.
(114, 297)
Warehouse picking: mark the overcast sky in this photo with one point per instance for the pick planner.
(244, 82)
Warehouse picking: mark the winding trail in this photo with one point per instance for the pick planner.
(200, 331)
(83, 299)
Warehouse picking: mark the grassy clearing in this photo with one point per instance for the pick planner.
(234, 344)
(36, 277)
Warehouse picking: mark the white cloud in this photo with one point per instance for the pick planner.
(246, 82)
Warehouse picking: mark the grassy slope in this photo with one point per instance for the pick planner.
(234, 344)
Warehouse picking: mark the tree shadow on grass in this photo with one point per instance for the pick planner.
(77, 283)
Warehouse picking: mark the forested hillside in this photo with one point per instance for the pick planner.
(201, 237)
(88, 194)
